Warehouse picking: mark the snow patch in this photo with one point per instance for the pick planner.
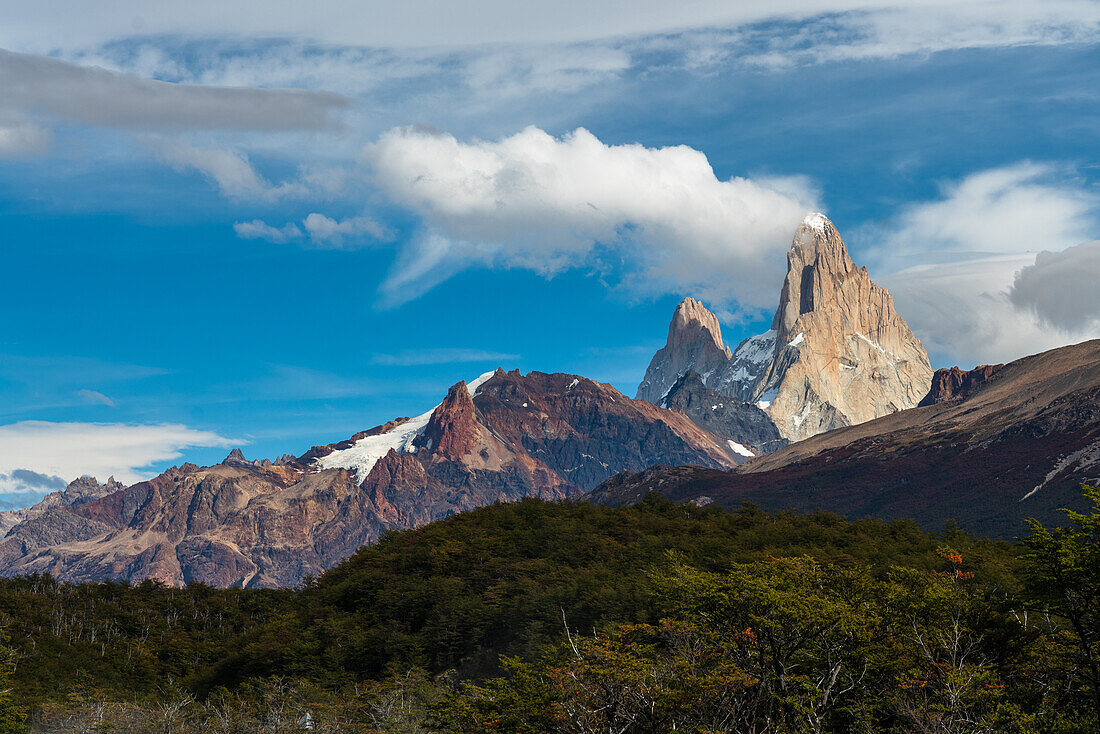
(739, 449)
(816, 221)
(766, 399)
(797, 340)
(797, 419)
(574, 383)
(756, 349)
(365, 453)
(873, 344)
(474, 385)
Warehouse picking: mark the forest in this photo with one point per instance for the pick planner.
(569, 617)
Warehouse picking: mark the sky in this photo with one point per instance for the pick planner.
(270, 225)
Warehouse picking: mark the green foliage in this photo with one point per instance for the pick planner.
(12, 716)
(1063, 580)
(570, 618)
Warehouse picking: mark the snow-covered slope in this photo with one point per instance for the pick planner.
(361, 456)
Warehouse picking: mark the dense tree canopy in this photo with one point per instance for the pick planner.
(571, 618)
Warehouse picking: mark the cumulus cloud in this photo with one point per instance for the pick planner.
(23, 488)
(259, 230)
(70, 450)
(417, 357)
(328, 231)
(982, 294)
(1061, 288)
(543, 203)
(96, 96)
(962, 312)
(321, 230)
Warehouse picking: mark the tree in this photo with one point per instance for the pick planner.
(1064, 580)
(12, 716)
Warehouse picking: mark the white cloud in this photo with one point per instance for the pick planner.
(1024, 207)
(418, 357)
(232, 173)
(435, 23)
(327, 231)
(321, 230)
(70, 450)
(259, 230)
(962, 313)
(543, 203)
(1061, 288)
(23, 488)
(95, 397)
(982, 294)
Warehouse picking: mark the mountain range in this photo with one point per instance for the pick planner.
(835, 407)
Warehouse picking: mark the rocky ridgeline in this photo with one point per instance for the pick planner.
(263, 523)
(837, 353)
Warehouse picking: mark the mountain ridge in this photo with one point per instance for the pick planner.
(259, 523)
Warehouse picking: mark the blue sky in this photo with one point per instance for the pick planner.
(274, 229)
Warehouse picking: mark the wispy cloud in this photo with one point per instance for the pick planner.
(1023, 207)
(232, 173)
(96, 96)
(95, 397)
(126, 451)
(418, 357)
(982, 294)
(319, 230)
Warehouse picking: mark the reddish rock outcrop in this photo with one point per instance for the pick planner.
(1017, 447)
(955, 384)
(259, 523)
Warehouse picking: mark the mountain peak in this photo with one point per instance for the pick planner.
(837, 353)
(817, 265)
(452, 430)
(694, 343)
(692, 320)
(236, 456)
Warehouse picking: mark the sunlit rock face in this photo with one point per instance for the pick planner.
(837, 354)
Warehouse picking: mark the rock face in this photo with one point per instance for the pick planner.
(745, 426)
(1014, 447)
(694, 343)
(83, 489)
(257, 523)
(955, 384)
(837, 354)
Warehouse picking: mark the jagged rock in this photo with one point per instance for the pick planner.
(1015, 447)
(837, 354)
(694, 343)
(236, 456)
(748, 428)
(955, 384)
(259, 523)
(82, 489)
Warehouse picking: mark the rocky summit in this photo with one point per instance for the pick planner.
(501, 437)
(837, 353)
